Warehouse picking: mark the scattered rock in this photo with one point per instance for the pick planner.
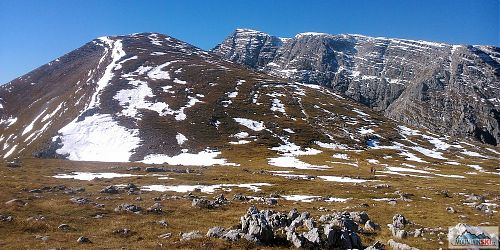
(110, 190)
(475, 198)
(399, 246)
(42, 237)
(371, 226)
(155, 209)
(313, 236)
(359, 217)
(377, 246)
(399, 221)
(191, 235)
(232, 235)
(6, 218)
(154, 169)
(201, 203)
(13, 164)
(240, 197)
(418, 233)
(134, 169)
(216, 232)
(84, 240)
(128, 208)
(64, 227)
(37, 191)
(162, 223)
(272, 201)
(255, 224)
(124, 232)
(165, 235)
(295, 239)
(80, 200)
(16, 202)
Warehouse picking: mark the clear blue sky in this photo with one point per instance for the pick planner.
(35, 32)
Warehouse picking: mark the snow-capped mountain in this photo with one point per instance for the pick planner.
(152, 98)
(448, 89)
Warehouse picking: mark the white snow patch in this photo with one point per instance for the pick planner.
(10, 152)
(88, 176)
(157, 74)
(292, 162)
(204, 188)
(341, 156)
(97, 138)
(472, 153)
(180, 138)
(251, 124)
(203, 158)
(277, 106)
(342, 179)
(301, 198)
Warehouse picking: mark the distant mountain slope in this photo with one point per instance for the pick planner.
(154, 99)
(449, 89)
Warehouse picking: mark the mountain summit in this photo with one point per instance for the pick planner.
(154, 99)
(448, 89)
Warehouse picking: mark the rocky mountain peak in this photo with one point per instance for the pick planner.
(448, 89)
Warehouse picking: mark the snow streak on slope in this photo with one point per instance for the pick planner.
(99, 137)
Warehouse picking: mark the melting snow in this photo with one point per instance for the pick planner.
(180, 138)
(277, 106)
(97, 138)
(251, 124)
(341, 156)
(157, 74)
(342, 179)
(292, 162)
(88, 176)
(204, 188)
(302, 198)
(203, 158)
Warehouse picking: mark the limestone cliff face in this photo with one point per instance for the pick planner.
(450, 89)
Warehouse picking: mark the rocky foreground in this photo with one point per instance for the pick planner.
(120, 212)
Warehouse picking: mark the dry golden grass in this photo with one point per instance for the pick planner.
(181, 217)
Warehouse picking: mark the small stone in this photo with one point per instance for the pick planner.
(371, 226)
(83, 240)
(154, 169)
(64, 227)
(35, 191)
(6, 218)
(191, 235)
(42, 237)
(450, 210)
(125, 232)
(155, 209)
(232, 235)
(165, 235)
(162, 223)
(201, 203)
(128, 208)
(377, 246)
(418, 233)
(16, 202)
(216, 232)
(80, 200)
(110, 190)
(313, 236)
(272, 201)
(134, 169)
(399, 221)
